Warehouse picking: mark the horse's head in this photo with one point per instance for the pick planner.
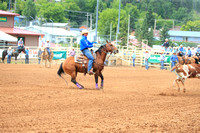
(111, 48)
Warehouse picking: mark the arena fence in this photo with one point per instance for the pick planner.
(123, 58)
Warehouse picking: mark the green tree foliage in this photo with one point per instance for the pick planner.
(20, 6)
(181, 14)
(191, 26)
(164, 33)
(29, 9)
(53, 11)
(134, 14)
(3, 6)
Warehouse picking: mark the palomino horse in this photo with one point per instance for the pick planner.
(45, 56)
(15, 54)
(70, 67)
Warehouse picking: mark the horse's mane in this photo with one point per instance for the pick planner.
(99, 50)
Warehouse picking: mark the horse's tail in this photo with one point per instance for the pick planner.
(60, 70)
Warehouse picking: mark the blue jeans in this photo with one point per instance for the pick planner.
(133, 62)
(173, 64)
(26, 59)
(48, 50)
(146, 64)
(87, 53)
(162, 64)
(9, 59)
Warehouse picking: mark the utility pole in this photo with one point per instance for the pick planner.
(110, 31)
(91, 21)
(155, 25)
(87, 20)
(128, 30)
(9, 5)
(118, 22)
(96, 39)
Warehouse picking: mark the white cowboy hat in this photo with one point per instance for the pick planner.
(9, 48)
(166, 39)
(84, 31)
(181, 45)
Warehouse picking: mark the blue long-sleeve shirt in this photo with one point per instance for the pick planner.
(27, 52)
(181, 49)
(198, 49)
(174, 58)
(84, 43)
(189, 53)
(133, 55)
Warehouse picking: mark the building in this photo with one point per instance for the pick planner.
(7, 26)
(187, 36)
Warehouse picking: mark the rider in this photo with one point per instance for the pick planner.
(84, 45)
(47, 46)
(20, 45)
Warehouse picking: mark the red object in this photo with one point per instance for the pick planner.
(17, 31)
(82, 27)
(6, 13)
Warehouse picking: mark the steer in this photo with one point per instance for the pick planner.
(186, 71)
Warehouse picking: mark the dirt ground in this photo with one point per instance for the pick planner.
(36, 100)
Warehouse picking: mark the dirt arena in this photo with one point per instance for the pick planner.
(36, 100)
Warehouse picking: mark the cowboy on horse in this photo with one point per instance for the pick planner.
(84, 45)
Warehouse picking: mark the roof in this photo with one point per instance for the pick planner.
(52, 31)
(55, 24)
(82, 27)
(184, 33)
(17, 31)
(6, 13)
(7, 37)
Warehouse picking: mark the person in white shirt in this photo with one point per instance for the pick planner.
(193, 51)
(47, 46)
(146, 58)
(9, 51)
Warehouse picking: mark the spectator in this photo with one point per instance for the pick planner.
(193, 51)
(189, 53)
(173, 59)
(169, 50)
(180, 53)
(181, 48)
(146, 58)
(133, 57)
(27, 56)
(9, 51)
(198, 55)
(166, 44)
(162, 60)
(198, 49)
(72, 52)
(184, 51)
(39, 55)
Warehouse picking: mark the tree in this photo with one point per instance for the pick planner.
(20, 6)
(29, 9)
(3, 6)
(164, 33)
(191, 26)
(181, 14)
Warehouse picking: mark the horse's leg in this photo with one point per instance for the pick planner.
(177, 84)
(73, 79)
(46, 62)
(101, 76)
(96, 80)
(15, 59)
(182, 81)
(41, 61)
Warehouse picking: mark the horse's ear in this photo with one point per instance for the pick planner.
(107, 41)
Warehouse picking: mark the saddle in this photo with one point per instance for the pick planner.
(82, 59)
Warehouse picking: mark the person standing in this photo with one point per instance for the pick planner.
(133, 58)
(27, 56)
(72, 52)
(198, 49)
(181, 48)
(146, 58)
(166, 44)
(162, 60)
(9, 51)
(84, 45)
(20, 45)
(39, 55)
(193, 51)
(173, 59)
(189, 52)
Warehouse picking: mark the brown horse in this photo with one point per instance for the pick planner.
(186, 60)
(45, 56)
(70, 67)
